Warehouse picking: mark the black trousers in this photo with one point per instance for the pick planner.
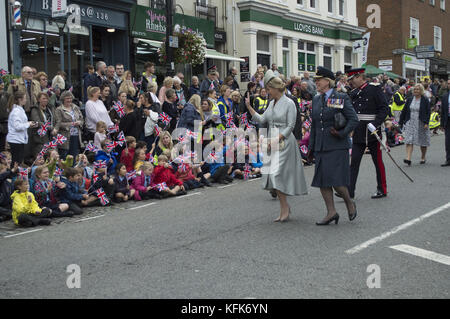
(357, 154)
(17, 152)
(447, 142)
(29, 220)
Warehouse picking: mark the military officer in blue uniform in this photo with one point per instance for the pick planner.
(371, 107)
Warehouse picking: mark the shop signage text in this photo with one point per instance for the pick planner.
(88, 14)
(151, 24)
(307, 28)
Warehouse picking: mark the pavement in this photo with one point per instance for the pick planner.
(221, 242)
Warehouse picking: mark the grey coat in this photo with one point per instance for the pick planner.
(63, 122)
(283, 169)
(321, 140)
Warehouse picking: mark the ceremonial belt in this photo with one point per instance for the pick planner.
(367, 117)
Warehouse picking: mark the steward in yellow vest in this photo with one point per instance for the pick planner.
(399, 101)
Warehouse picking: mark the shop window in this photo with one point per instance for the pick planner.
(311, 62)
(263, 42)
(302, 61)
(310, 47)
(286, 43)
(301, 45)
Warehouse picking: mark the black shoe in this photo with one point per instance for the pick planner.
(335, 218)
(407, 162)
(423, 162)
(446, 164)
(378, 195)
(273, 193)
(353, 216)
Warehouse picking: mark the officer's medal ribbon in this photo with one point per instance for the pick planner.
(335, 103)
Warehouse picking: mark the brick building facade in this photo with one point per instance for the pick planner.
(427, 20)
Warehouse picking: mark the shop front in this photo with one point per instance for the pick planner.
(294, 42)
(148, 29)
(440, 69)
(48, 44)
(414, 68)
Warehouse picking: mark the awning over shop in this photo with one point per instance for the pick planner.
(213, 54)
(393, 75)
(373, 70)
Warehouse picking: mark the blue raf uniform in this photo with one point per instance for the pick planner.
(371, 106)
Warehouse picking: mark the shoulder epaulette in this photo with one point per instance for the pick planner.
(374, 84)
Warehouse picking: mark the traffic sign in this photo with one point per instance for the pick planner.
(424, 48)
(425, 55)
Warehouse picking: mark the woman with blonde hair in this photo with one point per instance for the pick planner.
(152, 88)
(165, 143)
(95, 111)
(283, 169)
(167, 84)
(414, 120)
(127, 85)
(192, 112)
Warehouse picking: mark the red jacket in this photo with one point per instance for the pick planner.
(128, 159)
(165, 175)
(185, 176)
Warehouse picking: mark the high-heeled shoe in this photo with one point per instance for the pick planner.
(335, 218)
(353, 216)
(283, 220)
(407, 162)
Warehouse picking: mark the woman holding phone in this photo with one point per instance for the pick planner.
(18, 125)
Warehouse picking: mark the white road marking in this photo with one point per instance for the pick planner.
(26, 232)
(395, 230)
(443, 259)
(255, 179)
(142, 206)
(188, 195)
(222, 187)
(89, 218)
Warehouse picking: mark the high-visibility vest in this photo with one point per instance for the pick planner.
(434, 120)
(394, 106)
(262, 103)
(224, 105)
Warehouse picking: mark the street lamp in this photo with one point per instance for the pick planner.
(169, 31)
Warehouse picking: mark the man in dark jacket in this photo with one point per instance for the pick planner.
(4, 97)
(445, 122)
(95, 79)
(371, 107)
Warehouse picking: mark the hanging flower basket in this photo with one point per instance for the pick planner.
(191, 49)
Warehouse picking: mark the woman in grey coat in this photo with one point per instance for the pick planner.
(330, 145)
(283, 168)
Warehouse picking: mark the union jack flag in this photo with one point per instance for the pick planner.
(52, 144)
(58, 172)
(183, 167)
(43, 130)
(102, 196)
(304, 149)
(247, 171)
(180, 159)
(182, 139)
(244, 119)
(111, 146)
(229, 119)
(3, 72)
(307, 124)
(213, 157)
(131, 175)
(151, 159)
(118, 107)
(189, 133)
(165, 118)
(190, 154)
(113, 129)
(23, 172)
(121, 139)
(59, 139)
(42, 153)
(95, 177)
(100, 164)
(92, 148)
(161, 187)
(157, 130)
